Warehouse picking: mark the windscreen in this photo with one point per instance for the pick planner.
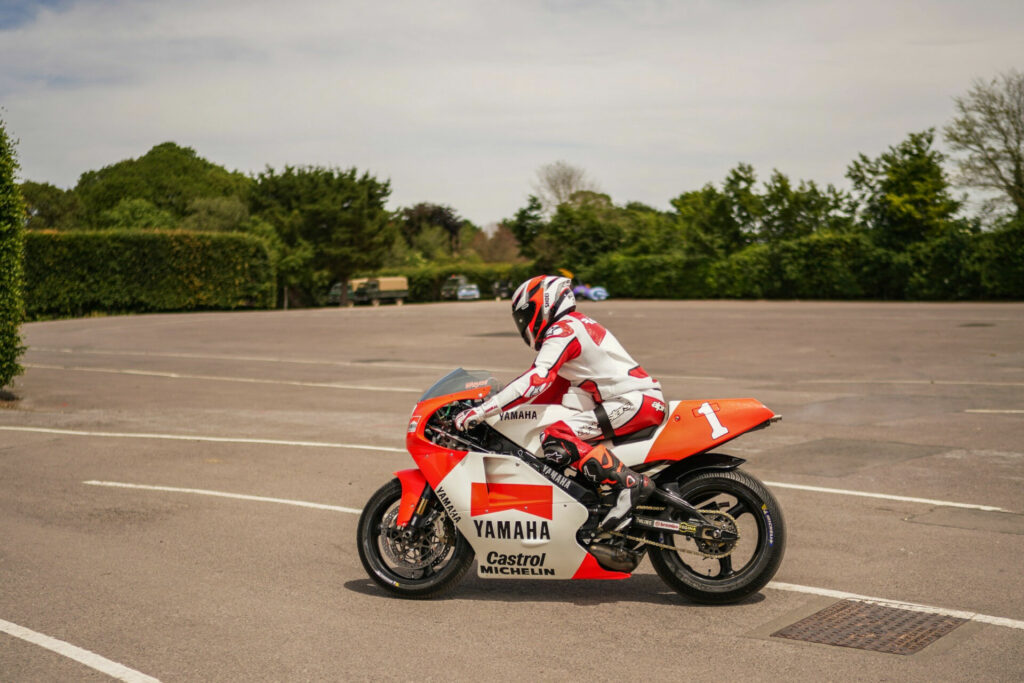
(460, 380)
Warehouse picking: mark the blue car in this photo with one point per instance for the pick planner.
(591, 293)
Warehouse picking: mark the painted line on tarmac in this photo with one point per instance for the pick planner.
(912, 606)
(937, 382)
(218, 378)
(222, 494)
(995, 412)
(80, 655)
(401, 365)
(428, 366)
(884, 496)
(388, 449)
(214, 439)
(827, 592)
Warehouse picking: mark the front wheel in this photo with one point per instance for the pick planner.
(411, 563)
(718, 573)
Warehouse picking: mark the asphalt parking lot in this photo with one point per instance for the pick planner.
(179, 496)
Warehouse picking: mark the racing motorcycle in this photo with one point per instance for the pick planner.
(713, 533)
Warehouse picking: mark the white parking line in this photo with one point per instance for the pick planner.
(89, 659)
(937, 382)
(216, 439)
(827, 592)
(220, 378)
(222, 494)
(886, 496)
(400, 365)
(387, 449)
(995, 412)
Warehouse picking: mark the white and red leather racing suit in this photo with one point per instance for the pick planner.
(576, 351)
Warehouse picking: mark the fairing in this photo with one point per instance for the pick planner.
(519, 517)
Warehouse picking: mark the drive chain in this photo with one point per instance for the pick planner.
(729, 519)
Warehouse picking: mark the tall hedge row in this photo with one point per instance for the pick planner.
(78, 272)
(957, 266)
(12, 231)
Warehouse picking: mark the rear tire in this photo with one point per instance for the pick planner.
(422, 563)
(756, 555)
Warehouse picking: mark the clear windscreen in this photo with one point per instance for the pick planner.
(460, 380)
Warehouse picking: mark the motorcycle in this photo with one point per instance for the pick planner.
(713, 533)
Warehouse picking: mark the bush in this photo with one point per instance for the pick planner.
(77, 272)
(665, 276)
(999, 256)
(944, 268)
(12, 244)
(753, 273)
(834, 266)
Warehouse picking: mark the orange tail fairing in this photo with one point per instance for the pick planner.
(697, 426)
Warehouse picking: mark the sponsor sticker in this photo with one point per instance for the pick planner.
(519, 531)
(768, 521)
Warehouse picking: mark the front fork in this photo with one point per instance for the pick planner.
(416, 495)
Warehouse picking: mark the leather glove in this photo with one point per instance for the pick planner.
(468, 419)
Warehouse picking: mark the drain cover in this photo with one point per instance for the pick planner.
(871, 627)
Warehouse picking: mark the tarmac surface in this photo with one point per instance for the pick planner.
(179, 496)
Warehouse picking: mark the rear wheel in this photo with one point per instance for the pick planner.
(411, 563)
(742, 567)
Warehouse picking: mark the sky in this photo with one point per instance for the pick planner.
(460, 102)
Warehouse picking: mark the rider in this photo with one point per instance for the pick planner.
(574, 350)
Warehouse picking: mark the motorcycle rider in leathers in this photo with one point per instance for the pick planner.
(574, 350)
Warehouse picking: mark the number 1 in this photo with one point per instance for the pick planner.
(717, 428)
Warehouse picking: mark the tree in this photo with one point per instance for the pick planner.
(49, 207)
(791, 213)
(168, 176)
(136, 213)
(716, 223)
(331, 219)
(498, 247)
(558, 182)
(217, 214)
(581, 230)
(12, 255)
(416, 219)
(903, 195)
(990, 131)
(527, 225)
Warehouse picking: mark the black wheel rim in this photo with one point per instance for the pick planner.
(740, 504)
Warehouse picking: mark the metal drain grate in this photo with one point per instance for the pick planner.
(871, 627)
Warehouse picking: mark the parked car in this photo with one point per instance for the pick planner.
(450, 288)
(468, 292)
(503, 289)
(591, 293)
(373, 291)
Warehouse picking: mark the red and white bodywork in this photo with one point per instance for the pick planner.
(520, 520)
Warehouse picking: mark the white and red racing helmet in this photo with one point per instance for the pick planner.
(538, 302)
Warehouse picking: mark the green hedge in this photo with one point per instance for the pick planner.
(78, 272)
(961, 265)
(663, 276)
(12, 230)
(999, 258)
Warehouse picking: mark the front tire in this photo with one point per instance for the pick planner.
(753, 559)
(411, 563)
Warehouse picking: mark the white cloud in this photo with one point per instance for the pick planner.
(459, 102)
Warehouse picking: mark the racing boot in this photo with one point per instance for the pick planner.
(602, 467)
